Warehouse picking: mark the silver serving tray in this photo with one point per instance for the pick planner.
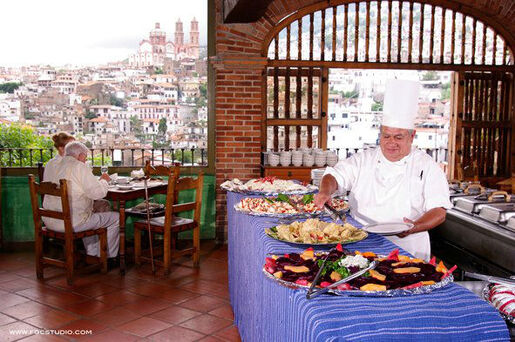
(310, 189)
(274, 236)
(318, 213)
(511, 224)
(486, 296)
(358, 293)
(473, 204)
(497, 212)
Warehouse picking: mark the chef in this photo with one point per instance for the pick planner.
(395, 182)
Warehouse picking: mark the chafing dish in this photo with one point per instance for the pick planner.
(473, 204)
(497, 212)
(511, 224)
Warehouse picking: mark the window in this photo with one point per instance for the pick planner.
(430, 137)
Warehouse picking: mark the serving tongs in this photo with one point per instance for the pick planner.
(312, 294)
(491, 279)
(335, 214)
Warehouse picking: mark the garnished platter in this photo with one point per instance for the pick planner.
(502, 297)
(283, 205)
(268, 186)
(316, 232)
(394, 275)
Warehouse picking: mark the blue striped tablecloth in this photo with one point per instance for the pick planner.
(267, 311)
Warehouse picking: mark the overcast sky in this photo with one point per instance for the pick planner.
(59, 32)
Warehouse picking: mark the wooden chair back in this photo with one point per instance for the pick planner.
(175, 186)
(50, 189)
(161, 170)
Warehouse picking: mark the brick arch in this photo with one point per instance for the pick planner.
(239, 66)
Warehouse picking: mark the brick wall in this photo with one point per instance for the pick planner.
(239, 67)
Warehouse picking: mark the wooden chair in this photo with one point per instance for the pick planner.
(68, 236)
(170, 225)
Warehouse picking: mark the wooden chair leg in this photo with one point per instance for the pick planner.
(68, 246)
(137, 246)
(39, 255)
(103, 251)
(196, 246)
(167, 241)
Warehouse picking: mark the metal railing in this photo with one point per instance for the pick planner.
(127, 157)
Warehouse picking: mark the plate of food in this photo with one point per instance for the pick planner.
(502, 297)
(316, 232)
(125, 186)
(286, 206)
(268, 186)
(388, 228)
(394, 275)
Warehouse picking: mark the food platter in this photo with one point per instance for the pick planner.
(286, 206)
(388, 228)
(314, 232)
(487, 295)
(268, 186)
(430, 276)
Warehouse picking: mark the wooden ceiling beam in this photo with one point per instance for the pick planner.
(244, 11)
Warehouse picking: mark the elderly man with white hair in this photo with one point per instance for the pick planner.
(83, 189)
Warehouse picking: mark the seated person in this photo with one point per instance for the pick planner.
(51, 167)
(60, 141)
(83, 189)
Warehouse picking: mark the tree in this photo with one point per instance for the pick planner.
(9, 87)
(430, 76)
(446, 91)
(203, 89)
(136, 126)
(114, 101)
(377, 106)
(17, 136)
(162, 128)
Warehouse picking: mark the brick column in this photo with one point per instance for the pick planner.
(238, 89)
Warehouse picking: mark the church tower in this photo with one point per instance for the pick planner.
(179, 37)
(194, 34)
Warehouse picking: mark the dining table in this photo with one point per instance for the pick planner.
(264, 310)
(120, 195)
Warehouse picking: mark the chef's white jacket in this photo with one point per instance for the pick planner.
(83, 189)
(384, 191)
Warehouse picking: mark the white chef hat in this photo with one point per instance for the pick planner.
(400, 104)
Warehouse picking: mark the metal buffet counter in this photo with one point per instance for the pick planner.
(478, 235)
(266, 311)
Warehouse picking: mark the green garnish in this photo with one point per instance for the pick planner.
(306, 199)
(283, 198)
(269, 200)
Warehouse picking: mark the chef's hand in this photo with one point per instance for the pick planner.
(321, 199)
(408, 232)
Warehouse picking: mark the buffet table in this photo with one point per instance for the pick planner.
(267, 311)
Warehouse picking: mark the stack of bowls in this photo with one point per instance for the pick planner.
(308, 159)
(285, 158)
(296, 158)
(320, 158)
(332, 158)
(273, 159)
(316, 176)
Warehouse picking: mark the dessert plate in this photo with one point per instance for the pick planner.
(125, 186)
(388, 228)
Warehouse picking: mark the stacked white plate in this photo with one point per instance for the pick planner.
(296, 158)
(316, 176)
(308, 159)
(320, 158)
(332, 158)
(285, 158)
(273, 159)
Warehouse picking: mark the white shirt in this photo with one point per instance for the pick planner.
(51, 168)
(83, 189)
(385, 191)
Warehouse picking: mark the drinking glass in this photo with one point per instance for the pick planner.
(104, 169)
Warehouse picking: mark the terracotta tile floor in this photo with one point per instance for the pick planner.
(188, 305)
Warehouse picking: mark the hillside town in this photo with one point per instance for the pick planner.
(156, 98)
